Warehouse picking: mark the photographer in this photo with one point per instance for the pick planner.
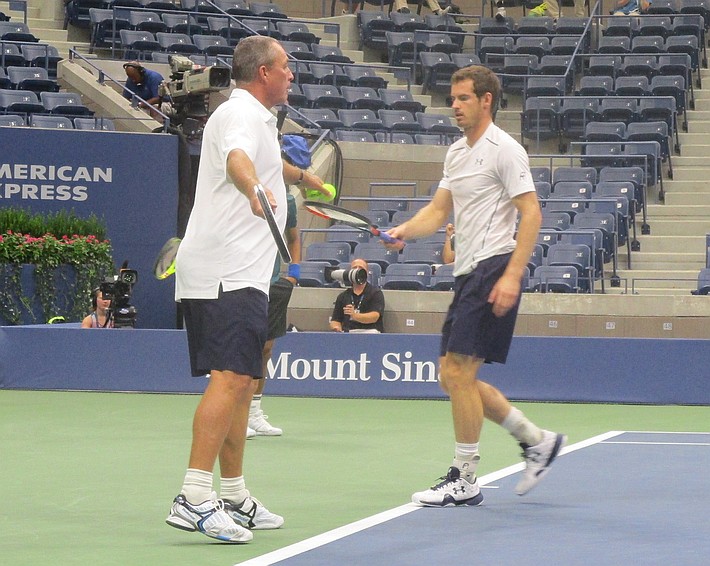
(100, 317)
(360, 308)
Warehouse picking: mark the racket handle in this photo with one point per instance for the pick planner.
(389, 239)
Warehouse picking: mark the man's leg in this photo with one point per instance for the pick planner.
(224, 406)
(459, 487)
(245, 510)
(257, 419)
(540, 447)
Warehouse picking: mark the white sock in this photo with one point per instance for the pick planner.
(522, 429)
(255, 406)
(233, 489)
(197, 486)
(466, 460)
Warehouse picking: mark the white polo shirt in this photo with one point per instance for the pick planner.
(483, 179)
(224, 242)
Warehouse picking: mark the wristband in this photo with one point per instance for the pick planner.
(294, 270)
(300, 179)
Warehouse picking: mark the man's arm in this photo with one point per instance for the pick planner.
(506, 290)
(376, 304)
(428, 220)
(293, 242)
(303, 179)
(241, 171)
(336, 319)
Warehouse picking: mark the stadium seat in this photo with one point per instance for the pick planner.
(12, 120)
(104, 124)
(64, 103)
(324, 96)
(375, 252)
(578, 256)
(362, 97)
(176, 43)
(212, 44)
(35, 79)
(407, 277)
(703, 286)
(333, 252)
(138, 44)
(41, 55)
(20, 102)
(556, 279)
(313, 273)
(16, 31)
(54, 122)
(443, 278)
(416, 252)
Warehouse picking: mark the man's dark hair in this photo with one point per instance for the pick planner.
(484, 80)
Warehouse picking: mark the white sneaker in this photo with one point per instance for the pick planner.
(251, 433)
(209, 518)
(538, 459)
(258, 422)
(443, 11)
(252, 514)
(500, 13)
(452, 490)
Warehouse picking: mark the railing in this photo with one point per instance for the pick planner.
(135, 99)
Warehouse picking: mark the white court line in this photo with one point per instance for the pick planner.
(659, 443)
(352, 528)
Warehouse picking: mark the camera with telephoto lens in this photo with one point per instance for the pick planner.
(348, 277)
(118, 290)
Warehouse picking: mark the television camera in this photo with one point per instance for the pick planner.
(188, 90)
(118, 289)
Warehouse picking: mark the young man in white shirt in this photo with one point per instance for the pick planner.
(487, 183)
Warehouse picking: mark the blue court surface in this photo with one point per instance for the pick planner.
(620, 498)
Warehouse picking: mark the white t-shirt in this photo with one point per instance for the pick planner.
(224, 242)
(483, 179)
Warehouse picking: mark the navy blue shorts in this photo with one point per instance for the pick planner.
(470, 327)
(227, 333)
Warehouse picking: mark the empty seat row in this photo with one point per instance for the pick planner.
(368, 120)
(27, 102)
(30, 55)
(35, 79)
(329, 96)
(374, 25)
(57, 122)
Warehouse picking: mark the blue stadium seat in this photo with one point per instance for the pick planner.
(53, 122)
(407, 277)
(416, 252)
(556, 279)
(443, 278)
(313, 273)
(375, 252)
(333, 252)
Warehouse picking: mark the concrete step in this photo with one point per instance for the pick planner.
(696, 147)
(689, 169)
(49, 35)
(680, 212)
(661, 281)
(671, 226)
(670, 244)
(665, 260)
(41, 23)
(699, 186)
(687, 198)
(18, 15)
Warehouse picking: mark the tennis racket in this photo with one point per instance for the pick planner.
(271, 221)
(340, 214)
(165, 262)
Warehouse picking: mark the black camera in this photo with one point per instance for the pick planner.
(118, 290)
(348, 277)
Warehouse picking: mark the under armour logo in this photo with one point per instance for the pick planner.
(522, 175)
(459, 490)
(479, 161)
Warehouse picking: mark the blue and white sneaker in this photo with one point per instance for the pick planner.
(452, 490)
(538, 459)
(251, 514)
(209, 518)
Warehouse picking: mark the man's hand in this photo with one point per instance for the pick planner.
(504, 294)
(255, 204)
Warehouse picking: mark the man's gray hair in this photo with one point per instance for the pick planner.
(250, 54)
